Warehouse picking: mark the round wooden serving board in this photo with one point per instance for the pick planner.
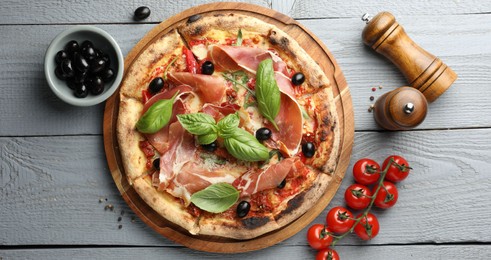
(346, 123)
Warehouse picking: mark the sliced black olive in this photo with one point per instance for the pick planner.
(107, 75)
(243, 209)
(298, 78)
(89, 53)
(193, 18)
(81, 91)
(156, 164)
(96, 85)
(308, 149)
(156, 85)
(282, 184)
(97, 64)
(72, 47)
(59, 73)
(263, 134)
(207, 68)
(67, 68)
(210, 147)
(81, 62)
(86, 44)
(60, 56)
(141, 13)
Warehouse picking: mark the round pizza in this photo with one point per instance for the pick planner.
(227, 127)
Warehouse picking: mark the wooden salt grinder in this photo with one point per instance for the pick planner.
(423, 70)
(400, 109)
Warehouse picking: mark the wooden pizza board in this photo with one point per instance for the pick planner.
(346, 124)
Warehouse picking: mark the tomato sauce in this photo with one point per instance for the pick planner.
(149, 152)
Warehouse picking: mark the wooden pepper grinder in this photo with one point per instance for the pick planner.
(400, 109)
(423, 70)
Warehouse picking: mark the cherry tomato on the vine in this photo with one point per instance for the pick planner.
(398, 170)
(357, 196)
(339, 220)
(368, 227)
(366, 171)
(319, 236)
(386, 196)
(327, 254)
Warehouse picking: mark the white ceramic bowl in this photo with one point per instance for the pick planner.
(102, 41)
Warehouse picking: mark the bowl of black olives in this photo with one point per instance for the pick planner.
(83, 65)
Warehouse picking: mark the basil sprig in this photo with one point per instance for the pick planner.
(157, 116)
(239, 38)
(267, 91)
(216, 198)
(238, 142)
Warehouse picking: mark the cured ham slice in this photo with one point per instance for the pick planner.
(160, 139)
(219, 112)
(258, 180)
(232, 58)
(210, 88)
(290, 123)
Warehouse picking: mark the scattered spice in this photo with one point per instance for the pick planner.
(120, 226)
(122, 212)
(374, 89)
(380, 87)
(370, 109)
(101, 200)
(119, 219)
(109, 206)
(132, 219)
(372, 98)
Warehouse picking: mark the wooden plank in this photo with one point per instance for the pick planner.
(340, 8)
(55, 12)
(98, 11)
(52, 186)
(276, 252)
(28, 107)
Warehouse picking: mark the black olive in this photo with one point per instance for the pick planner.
(71, 83)
(210, 147)
(60, 56)
(72, 47)
(97, 64)
(80, 77)
(156, 85)
(308, 149)
(298, 78)
(59, 73)
(81, 63)
(263, 134)
(282, 184)
(156, 164)
(106, 58)
(107, 75)
(207, 68)
(193, 18)
(141, 13)
(89, 53)
(96, 85)
(81, 91)
(86, 44)
(243, 208)
(67, 68)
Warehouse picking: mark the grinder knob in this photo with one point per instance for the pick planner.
(401, 109)
(423, 70)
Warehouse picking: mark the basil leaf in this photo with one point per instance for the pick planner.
(216, 198)
(198, 123)
(207, 138)
(244, 146)
(228, 125)
(157, 116)
(267, 91)
(239, 38)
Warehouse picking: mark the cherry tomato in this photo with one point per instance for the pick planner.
(386, 196)
(339, 220)
(398, 171)
(319, 236)
(357, 196)
(368, 227)
(327, 254)
(366, 171)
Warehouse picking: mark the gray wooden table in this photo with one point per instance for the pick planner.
(54, 172)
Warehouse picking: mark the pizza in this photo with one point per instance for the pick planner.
(227, 127)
